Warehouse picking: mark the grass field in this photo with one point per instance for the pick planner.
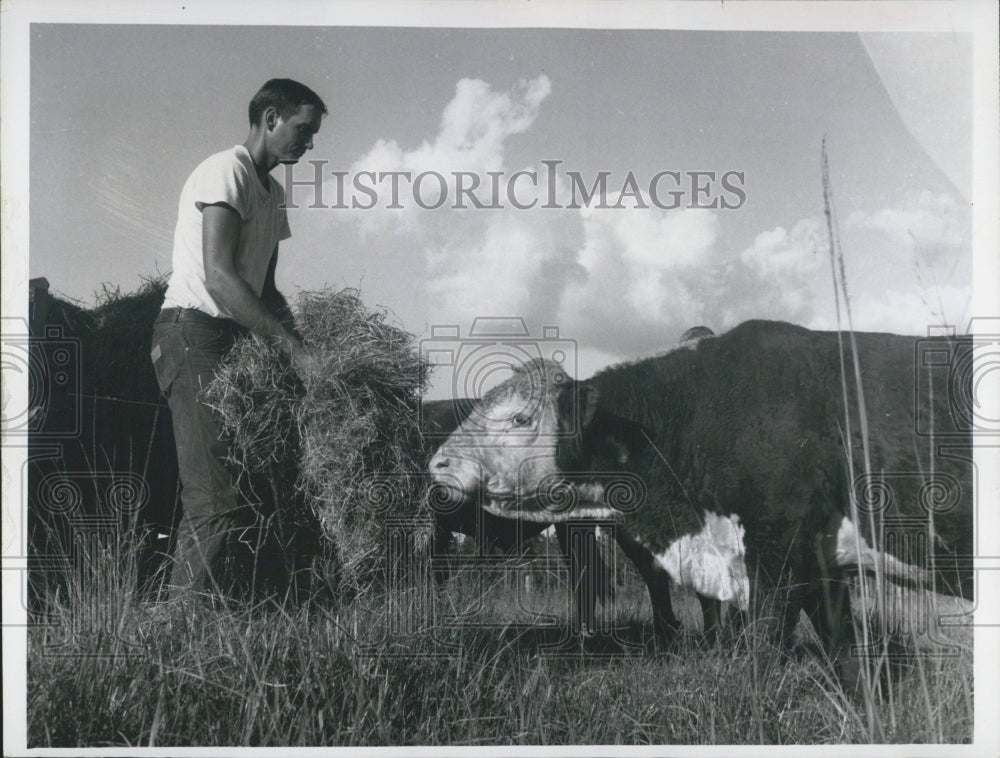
(487, 663)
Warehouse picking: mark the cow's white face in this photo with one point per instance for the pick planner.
(505, 452)
(498, 451)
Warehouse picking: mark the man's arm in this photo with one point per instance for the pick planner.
(220, 239)
(273, 300)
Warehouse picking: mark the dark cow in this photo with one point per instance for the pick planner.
(731, 460)
(587, 576)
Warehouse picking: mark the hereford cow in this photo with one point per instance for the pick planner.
(733, 460)
(587, 573)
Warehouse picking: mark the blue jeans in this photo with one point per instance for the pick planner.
(187, 348)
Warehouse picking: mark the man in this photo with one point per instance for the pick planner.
(229, 223)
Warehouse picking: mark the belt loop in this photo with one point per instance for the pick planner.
(177, 314)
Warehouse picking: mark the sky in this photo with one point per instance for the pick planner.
(121, 114)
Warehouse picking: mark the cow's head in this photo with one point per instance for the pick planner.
(536, 447)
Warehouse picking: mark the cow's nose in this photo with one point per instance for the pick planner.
(440, 462)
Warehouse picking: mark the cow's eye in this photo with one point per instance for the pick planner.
(520, 419)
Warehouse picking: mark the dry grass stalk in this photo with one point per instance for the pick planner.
(350, 430)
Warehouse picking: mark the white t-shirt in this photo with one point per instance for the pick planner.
(227, 177)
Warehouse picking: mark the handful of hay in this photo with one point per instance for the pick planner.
(350, 429)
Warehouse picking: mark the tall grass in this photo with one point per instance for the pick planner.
(882, 718)
(840, 295)
(110, 669)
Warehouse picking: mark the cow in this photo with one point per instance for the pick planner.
(734, 460)
(587, 573)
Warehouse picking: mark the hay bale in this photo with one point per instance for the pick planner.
(350, 429)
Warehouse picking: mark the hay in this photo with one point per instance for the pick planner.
(350, 429)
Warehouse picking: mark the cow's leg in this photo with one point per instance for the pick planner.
(657, 580)
(738, 621)
(828, 606)
(441, 541)
(827, 603)
(578, 543)
(665, 623)
(718, 615)
(711, 613)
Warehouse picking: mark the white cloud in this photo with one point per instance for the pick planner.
(784, 274)
(495, 268)
(916, 256)
(493, 261)
(626, 282)
(933, 227)
(474, 128)
(907, 267)
(478, 120)
(904, 312)
(641, 276)
(779, 253)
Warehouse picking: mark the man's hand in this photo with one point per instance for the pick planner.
(303, 362)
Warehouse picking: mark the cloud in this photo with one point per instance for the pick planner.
(477, 122)
(474, 128)
(624, 282)
(783, 270)
(909, 312)
(615, 279)
(508, 264)
(918, 256)
(648, 275)
(933, 227)
(907, 267)
(641, 276)
(651, 275)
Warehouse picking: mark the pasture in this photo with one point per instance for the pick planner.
(392, 657)
(483, 666)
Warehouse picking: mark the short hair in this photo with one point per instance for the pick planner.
(287, 95)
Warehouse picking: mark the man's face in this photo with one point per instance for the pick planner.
(290, 137)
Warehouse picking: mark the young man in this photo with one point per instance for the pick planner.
(229, 223)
